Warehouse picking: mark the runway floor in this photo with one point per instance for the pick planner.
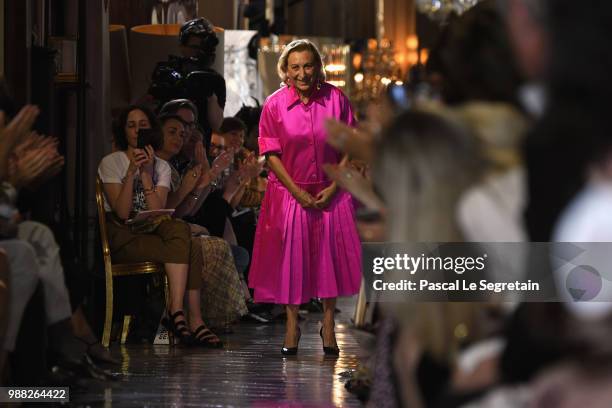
(248, 372)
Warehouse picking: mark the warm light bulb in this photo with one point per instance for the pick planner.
(424, 56)
(358, 77)
(357, 59)
(412, 42)
(335, 67)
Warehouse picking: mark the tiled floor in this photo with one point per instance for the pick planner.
(249, 372)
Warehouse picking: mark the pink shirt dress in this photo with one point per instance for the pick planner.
(300, 253)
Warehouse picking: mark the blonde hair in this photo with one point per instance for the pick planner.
(297, 46)
(425, 164)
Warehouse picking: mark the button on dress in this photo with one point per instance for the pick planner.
(300, 253)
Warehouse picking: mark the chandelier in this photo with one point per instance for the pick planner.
(441, 9)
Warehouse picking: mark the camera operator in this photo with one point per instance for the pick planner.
(191, 76)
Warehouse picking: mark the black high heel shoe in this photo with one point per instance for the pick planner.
(179, 329)
(291, 351)
(329, 350)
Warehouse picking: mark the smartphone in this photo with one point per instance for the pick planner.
(399, 96)
(148, 137)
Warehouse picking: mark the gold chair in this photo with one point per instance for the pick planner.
(112, 270)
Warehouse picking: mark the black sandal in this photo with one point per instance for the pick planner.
(203, 336)
(179, 329)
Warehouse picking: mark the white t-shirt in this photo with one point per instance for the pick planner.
(113, 169)
(588, 218)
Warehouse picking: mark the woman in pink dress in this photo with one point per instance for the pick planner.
(306, 244)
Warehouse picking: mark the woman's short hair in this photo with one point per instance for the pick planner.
(297, 46)
(119, 126)
(232, 124)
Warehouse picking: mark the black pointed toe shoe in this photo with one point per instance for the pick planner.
(291, 351)
(329, 350)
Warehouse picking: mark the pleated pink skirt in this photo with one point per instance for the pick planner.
(300, 254)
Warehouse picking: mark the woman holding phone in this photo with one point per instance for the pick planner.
(135, 180)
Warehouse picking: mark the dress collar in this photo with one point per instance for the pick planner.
(293, 98)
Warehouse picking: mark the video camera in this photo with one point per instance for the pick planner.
(184, 77)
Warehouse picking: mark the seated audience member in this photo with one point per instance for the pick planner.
(222, 295)
(234, 131)
(193, 154)
(250, 115)
(30, 248)
(135, 180)
(249, 195)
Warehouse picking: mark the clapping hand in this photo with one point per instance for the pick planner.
(34, 160)
(192, 177)
(355, 183)
(222, 162)
(252, 167)
(199, 153)
(357, 143)
(18, 128)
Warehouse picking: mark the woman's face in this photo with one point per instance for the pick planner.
(234, 139)
(174, 132)
(301, 69)
(136, 120)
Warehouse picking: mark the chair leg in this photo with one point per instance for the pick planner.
(171, 339)
(127, 320)
(108, 319)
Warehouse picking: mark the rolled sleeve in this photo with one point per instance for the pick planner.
(269, 145)
(269, 141)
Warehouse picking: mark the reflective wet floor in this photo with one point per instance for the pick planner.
(248, 372)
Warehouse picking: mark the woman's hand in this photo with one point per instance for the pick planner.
(252, 168)
(222, 162)
(136, 161)
(325, 196)
(355, 183)
(358, 143)
(192, 177)
(305, 199)
(33, 163)
(144, 159)
(16, 130)
(199, 153)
